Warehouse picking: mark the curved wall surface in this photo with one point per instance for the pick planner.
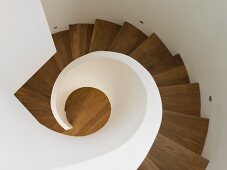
(195, 29)
(25, 45)
(136, 109)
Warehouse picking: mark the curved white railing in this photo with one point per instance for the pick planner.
(136, 108)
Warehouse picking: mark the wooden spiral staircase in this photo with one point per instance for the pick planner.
(180, 141)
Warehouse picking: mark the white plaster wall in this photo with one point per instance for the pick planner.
(25, 41)
(196, 29)
(25, 44)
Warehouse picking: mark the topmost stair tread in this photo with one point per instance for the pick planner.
(153, 55)
(167, 154)
(128, 38)
(80, 36)
(103, 35)
(63, 46)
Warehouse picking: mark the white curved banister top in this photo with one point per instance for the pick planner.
(135, 101)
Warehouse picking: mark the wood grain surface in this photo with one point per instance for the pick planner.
(128, 38)
(80, 37)
(103, 35)
(189, 131)
(88, 110)
(153, 55)
(181, 98)
(169, 155)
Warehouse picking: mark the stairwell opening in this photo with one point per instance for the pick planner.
(88, 110)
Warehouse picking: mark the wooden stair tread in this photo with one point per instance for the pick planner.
(148, 164)
(181, 98)
(153, 55)
(103, 35)
(178, 60)
(80, 36)
(174, 76)
(43, 80)
(35, 94)
(128, 38)
(189, 131)
(167, 154)
(39, 106)
(63, 46)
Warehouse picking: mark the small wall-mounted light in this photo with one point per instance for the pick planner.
(141, 22)
(210, 98)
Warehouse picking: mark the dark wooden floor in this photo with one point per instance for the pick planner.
(88, 110)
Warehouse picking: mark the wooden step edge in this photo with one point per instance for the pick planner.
(176, 62)
(180, 157)
(184, 115)
(195, 147)
(153, 54)
(63, 46)
(47, 120)
(174, 76)
(80, 38)
(57, 60)
(157, 163)
(182, 85)
(81, 23)
(204, 121)
(106, 21)
(156, 40)
(135, 39)
(108, 39)
(44, 77)
(60, 32)
(155, 36)
(178, 59)
(183, 98)
(189, 141)
(148, 164)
